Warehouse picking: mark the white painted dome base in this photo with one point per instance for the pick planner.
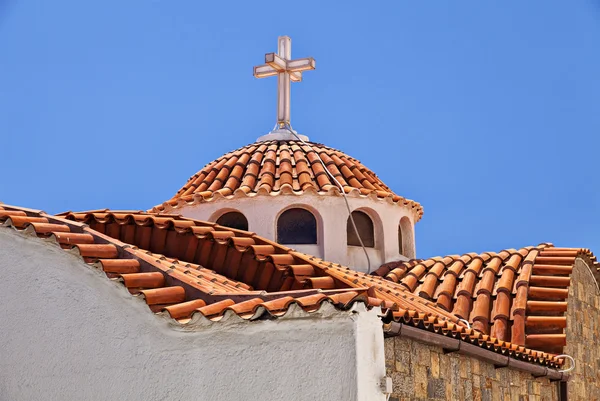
(263, 211)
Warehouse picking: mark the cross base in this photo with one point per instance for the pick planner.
(281, 134)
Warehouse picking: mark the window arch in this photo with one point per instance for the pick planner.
(365, 228)
(233, 220)
(297, 226)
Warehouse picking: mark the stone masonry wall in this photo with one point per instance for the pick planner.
(583, 333)
(423, 372)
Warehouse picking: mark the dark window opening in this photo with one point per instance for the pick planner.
(233, 220)
(364, 224)
(297, 226)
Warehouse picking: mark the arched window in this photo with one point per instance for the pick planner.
(297, 226)
(364, 224)
(233, 220)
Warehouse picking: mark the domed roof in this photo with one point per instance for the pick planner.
(283, 166)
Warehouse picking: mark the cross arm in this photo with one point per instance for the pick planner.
(301, 64)
(281, 65)
(265, 70)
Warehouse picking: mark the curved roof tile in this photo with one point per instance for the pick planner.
(275, 167)
(519, 296)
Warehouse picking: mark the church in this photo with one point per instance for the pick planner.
(285, 269)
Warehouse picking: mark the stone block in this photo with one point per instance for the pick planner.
(467, 390)
(454, 370)
(465, 367)
(434, 364)
(436, 388)
(475, 366)
(421, 354)
(403, 385)
(496, 391)
(388, 348)
(476, 393)
(537, 388)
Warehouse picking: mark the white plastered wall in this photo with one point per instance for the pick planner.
(331, 213)
(68, 333)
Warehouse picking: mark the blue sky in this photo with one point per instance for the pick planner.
(485, 112)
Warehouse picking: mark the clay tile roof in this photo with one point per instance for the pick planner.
(517, 296)
(276, 167)
(194, 272)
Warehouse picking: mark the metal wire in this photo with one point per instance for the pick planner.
(569, 357)
(288, 127)
(593, 277)
(466, 322)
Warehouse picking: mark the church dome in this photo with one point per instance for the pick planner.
(283, 167)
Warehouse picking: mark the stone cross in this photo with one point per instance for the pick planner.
(287, 70)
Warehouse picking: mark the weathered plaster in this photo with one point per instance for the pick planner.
(69, 333)
(331, 214)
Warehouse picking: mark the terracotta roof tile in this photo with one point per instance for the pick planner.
(184, 309)
(136, 281)
(164, 295)
(192, 270)
(518, 296)
(278, 166)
